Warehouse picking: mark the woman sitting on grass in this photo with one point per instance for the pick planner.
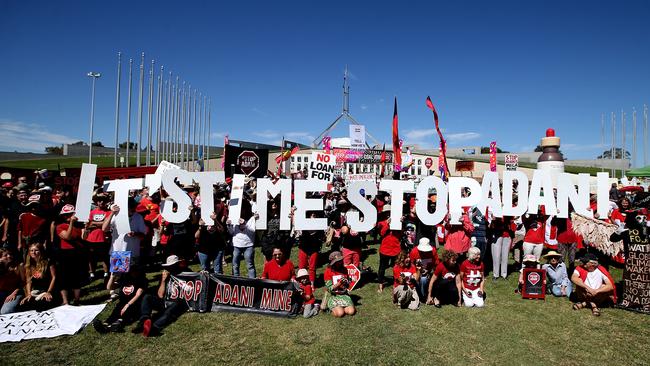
(594, 286)
(337, 283)
(11, 282)
(558, 282)
(405, 283)
(40, 277)
(445, 286)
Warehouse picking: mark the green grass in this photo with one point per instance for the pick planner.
(508, 331)
(56, 162)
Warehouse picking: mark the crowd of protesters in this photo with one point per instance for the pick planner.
(48, 255)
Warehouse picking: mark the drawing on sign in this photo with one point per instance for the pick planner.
(248, 162)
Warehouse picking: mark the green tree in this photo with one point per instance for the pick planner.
(54, 150)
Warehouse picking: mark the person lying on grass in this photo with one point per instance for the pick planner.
(445, 286)
(472, 279)
(594, 286)
(337, 282)
(132, 286)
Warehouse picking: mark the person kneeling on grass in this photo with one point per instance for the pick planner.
(445, 286)
(558, 280)
(472, 279)
(405, 276)
(310, 307)
(169, 311)
(132, 286)
(594, 286)
(337, 282)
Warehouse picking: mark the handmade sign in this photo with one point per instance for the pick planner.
(636, 276)
(62, 320)
(512, 162)
(493, 156)
(534, 284)
(360, 177)
(354, 275)
(190, 287)
(247, 161)
(321, 167)
(358, 136)
(120, 261)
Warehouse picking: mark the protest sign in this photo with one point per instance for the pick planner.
(354, 275)
(360, 177)
(62, 320)
(321, 167)
(358, 136)
(493, 156)
(190, 287)
(534, 284)
(247, 161)
(636, 276)
(512, 161)
(120, 261)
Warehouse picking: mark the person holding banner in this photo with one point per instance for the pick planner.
(337, 282)
(279, 268)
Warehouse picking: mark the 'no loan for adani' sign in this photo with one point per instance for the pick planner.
(321, 166)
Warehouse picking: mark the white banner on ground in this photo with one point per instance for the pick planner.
(62, 320)
(357, 136)
(321, 167)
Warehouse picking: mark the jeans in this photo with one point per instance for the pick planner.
(11, 306)
(556, 289)
(423, 287)
(205, 258)
(385, 262)
(249, 257)
(500, 250)
(169, 313)
(130, 314)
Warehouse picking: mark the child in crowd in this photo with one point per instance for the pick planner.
(310, 307)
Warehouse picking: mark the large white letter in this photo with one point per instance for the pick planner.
(541, 179)
(121, 187)
(283, 188)
(457, 201)
(304, 204)
(396, 188)
(422, 200)
(236, 195)
(182, 200)
(85, 191)
(522, 190)
(360, 202)
(566, 193)
(489, 185)
(206, 181)
(602, 194)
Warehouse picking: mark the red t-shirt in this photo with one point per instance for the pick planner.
(472, 274)
(390, 245)
(429, 259)
(30, 225)
(273, 271)
(535, 234)
(154, 211)
(444, 272)
(330, 273)
(398, 270)
(73, 243)
(97, 235)
(308, 290)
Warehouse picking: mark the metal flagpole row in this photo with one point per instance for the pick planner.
(128, 113)
(117, 107)
(140, 100)
(209, 125)
(150, 113)
(194, 134)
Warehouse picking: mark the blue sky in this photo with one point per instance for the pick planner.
(502, 70)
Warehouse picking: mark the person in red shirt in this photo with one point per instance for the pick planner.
(32, 228)
(445, 286)
(404, 268)
(337, 282)
(425, 258)
(96, 239)
(406, 277)
(71, 263)
(279, 268)
(388, 250)
(535, 235)
(458, 238)
(310, 308)
(472, 279)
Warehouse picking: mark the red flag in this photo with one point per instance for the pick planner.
(443, 143)
(382, 162)
(397, 151)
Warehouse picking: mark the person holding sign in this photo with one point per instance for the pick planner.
(594, 285)
(243, 239)
(70, 256)
(279, 268)
(337, 283)
(472, 279)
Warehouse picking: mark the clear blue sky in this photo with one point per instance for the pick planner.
(502, 70)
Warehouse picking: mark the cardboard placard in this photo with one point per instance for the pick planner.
(534, 284)
(120, 261)
(321, 167)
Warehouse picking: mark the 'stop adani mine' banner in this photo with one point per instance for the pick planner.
(209, 292)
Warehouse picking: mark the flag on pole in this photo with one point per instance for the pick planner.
(225, 143)
(382, 162)
(441, 164)
(397, 148)
(286, 154)
(443, 143)
(493, 156)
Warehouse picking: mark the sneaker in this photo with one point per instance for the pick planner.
(91, 276)
(100, 327)
(117, 326)
(146, 328)
(317, 307)
(105, 274)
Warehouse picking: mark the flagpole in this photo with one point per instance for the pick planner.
(613, 153)
(176, 119)
(140, 107)
(168, 112)
(209, 128)
(189, 128)
(205, 125)
(633, 137)
(194, 135)
(159, 113)
(150, 113)
(128, 113)
(182, 124)
(645, 135)
(117, 107)
(602, 140)
(623, 155)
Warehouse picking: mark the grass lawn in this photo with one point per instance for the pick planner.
(507, 331)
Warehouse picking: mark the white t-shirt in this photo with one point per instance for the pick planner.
(595, 279)
(128, 243)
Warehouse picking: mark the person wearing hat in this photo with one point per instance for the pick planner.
(557, 278)
(168, 311)
(32, 228)
(96, 239)
(425, 258)
(529, 261)
(337, 282)
(306, 289)
(70, 259)
(594, 286)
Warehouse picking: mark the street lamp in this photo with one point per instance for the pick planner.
(94, 76)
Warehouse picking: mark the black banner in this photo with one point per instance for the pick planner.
(247, 161)
(208, 292)
(238, 294)
(636, 276)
